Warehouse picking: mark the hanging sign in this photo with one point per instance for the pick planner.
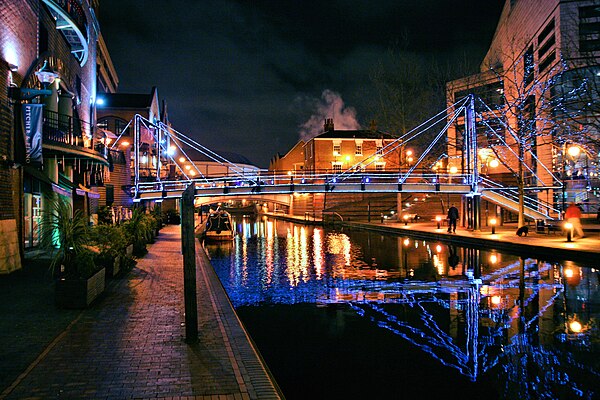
(32, 124)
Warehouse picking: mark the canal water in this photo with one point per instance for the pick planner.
(355, 314)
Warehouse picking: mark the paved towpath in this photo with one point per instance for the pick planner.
(130, 344)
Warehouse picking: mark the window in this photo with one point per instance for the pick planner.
(379, 146)
(528, 66)
(548, 61)
(491, 94)
(547, 30)
(547, 46)
(589, 29)
(358, 151)
(379, 166)
(337, 148)
(337, 167)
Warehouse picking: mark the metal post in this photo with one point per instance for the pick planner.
(476, 211)
(136, 152)
(188, 249)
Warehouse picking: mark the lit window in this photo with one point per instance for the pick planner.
(337, 149)
(379, 166)
(337, 166)
(358, 150)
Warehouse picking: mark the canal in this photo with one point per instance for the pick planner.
(355, 314)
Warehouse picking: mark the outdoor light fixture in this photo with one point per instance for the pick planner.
(496, 300)
(46, 77)
(493, 222)
(439, 221)
(574, 151)
(494, 163)
(405, 219)
(569, 229)
(100, 101)
(453, 170)
(181, 159)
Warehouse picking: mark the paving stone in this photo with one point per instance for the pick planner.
(130, 343)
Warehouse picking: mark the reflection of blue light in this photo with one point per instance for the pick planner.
(260, 271)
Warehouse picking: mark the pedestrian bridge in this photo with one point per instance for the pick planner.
(359, 178)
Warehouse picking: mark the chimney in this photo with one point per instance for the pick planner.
(328, 126)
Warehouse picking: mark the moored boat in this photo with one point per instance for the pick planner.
(218, 226)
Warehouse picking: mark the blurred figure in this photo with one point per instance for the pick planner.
(573, 216)
(452, 218)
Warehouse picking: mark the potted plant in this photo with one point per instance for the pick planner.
(138, 230)
(111, 243)
(78, 280)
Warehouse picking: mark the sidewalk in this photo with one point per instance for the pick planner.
(130, 343)
(505, 237)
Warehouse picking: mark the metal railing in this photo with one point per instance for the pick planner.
(65, 129)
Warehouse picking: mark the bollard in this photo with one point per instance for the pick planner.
(493, 222)
(569, 229)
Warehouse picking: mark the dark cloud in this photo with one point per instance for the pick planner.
(232, 71)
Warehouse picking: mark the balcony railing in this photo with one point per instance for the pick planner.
(61, 128)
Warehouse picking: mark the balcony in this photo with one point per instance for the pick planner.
(71, 21)
(64, 134)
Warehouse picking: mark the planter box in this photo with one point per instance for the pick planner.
(79, 293)
(114, 269)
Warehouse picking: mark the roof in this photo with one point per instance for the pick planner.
(235, 158)
(355, 134)
(125, 100)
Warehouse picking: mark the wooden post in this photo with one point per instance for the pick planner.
(188, 249)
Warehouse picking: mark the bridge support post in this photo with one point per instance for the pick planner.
(188, 249)
(477, 211)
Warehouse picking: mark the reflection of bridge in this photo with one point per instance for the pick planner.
(496, 319)
(161, 184)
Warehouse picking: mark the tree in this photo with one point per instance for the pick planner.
(409, 89)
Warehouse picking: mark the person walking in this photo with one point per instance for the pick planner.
(452, 218)
(573, 216)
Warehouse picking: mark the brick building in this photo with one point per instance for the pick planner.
(57, 109)
(541, 50)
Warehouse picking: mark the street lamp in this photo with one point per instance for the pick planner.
(46, 77)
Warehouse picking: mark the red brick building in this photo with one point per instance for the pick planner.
(59, 38)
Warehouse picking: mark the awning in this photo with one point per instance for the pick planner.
(82, 190)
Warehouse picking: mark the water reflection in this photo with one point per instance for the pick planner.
(532, 323)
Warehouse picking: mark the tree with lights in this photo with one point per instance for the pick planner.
(527, 119)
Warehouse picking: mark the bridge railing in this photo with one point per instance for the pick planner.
(512, 193)
(370, 181)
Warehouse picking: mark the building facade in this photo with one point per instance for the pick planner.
(48, 144)
(539, 89)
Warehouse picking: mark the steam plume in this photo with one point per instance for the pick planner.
(330, 105)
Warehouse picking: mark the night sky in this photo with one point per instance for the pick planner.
(244, 76)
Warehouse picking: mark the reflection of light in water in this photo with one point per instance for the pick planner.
(318, 251)
(303, 250)
(438, 264)
(241, 262)
(568, 273)
(493, 259)
(269, 253)
(339, 243)
(496, 300)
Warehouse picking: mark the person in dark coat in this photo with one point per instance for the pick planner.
(452, 218)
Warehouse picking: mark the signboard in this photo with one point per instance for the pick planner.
(32, 125)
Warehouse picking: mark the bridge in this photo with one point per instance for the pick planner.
(161, 184)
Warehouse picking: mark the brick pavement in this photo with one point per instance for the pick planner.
(130, 343)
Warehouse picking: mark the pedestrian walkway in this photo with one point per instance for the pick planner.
(505, 237)
(130, 344)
